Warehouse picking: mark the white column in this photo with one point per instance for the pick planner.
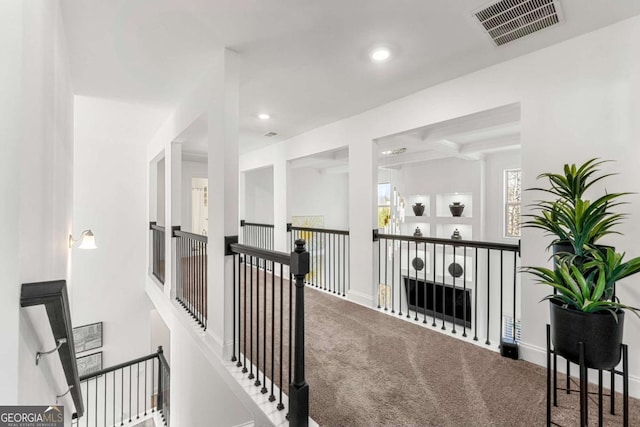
(173, 212)
(281, 208)
(223, 168)
(363, 163)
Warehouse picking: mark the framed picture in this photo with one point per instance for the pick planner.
(89, 364)
(87, 337)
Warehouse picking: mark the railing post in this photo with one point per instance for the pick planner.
(299, 389)
(160, 385)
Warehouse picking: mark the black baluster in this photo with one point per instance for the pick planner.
(475, 296)
(122, 396)
(264, 333)
(130, 393)
(290, 325)
(238, 364)
(424, 284)
(138, 390)
(433, 287)
(400, 278)
(453, 295)
(393, 276)
(145, 388)
(386, 272)
(444, 286)
(344, 265)
(153, 383)
(415, 306)
(280, 404)
(233, 357)
(257, 381)
(488, 292)
(244, 311)
(273, 327)
(515, 259)
(464, 294)
(251, 359)
(205, 291)
(379, 271)
(501, 298)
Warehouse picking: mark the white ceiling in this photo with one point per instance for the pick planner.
(303, 61)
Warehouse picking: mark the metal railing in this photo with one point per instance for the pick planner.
(257, 235)
(157, 251)
(126, 393)
(329, 253)
(269, 321)
(455, 284)
(191, 277)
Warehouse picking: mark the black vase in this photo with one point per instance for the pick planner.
(456, 208)
(600, 334)
(418, 209)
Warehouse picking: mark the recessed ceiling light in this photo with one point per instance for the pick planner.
(380, 54)
(264, 116)
(394, 152)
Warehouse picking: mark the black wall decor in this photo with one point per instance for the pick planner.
(416, 295)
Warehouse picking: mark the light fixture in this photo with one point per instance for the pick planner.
(380, 54)
(87, 240)
(264, 116)
(394, 152)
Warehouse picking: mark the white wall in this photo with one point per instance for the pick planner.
(314, 192)
(578, 100)
(258, 199)
(36, 184)
(160, 335)
(110, 198)
(190, 170)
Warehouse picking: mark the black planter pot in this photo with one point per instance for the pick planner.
(600, 333)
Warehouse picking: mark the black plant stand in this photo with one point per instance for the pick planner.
(552, 356)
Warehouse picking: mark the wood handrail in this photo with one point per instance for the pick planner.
(53, 295)
(192, 236)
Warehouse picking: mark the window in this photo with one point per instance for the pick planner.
(512, 202)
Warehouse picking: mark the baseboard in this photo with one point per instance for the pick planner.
(360, 298)
(538, 356)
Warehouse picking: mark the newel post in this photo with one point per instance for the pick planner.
(298, 388)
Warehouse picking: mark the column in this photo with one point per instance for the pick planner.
(363, 163)
(223, 172)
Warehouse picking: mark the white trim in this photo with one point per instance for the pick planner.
(360, 298)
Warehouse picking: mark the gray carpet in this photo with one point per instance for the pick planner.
(366, 368)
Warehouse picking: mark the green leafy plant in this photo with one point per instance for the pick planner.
(588, 287)
(570, 218)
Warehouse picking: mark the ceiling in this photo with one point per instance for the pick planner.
(303, 61)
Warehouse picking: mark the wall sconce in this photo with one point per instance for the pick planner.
(87, 240)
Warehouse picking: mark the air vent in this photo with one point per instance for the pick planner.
(270, 134)
(509, 20)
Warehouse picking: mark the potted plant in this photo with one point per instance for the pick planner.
(583, 306)
(575, 223)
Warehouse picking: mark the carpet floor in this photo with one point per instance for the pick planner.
(366, 368)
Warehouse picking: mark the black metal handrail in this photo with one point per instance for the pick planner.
(468, 243)
(157, 251)
(255, 224)
(321, 230)
(126, 392)
(191, 277)
(265, 254)
(330, 254)
(451, 281)
(259, 276)
(53, 295)
(192, 236)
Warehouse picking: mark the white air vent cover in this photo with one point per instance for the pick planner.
(508, 20)
(270, 134)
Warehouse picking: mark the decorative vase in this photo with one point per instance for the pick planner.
(417, 233)
(418, 209)
(456, 235)
(600, 333)
(456, 208)
(455, 270)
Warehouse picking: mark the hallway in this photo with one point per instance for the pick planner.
(368, 368)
